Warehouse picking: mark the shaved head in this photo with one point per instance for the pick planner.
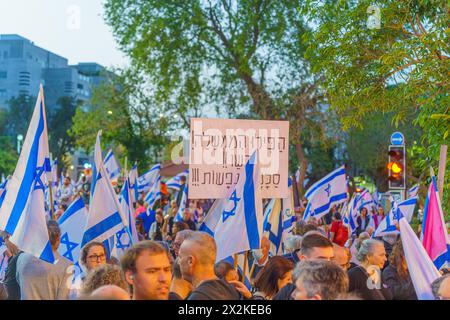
(202, 246)
(110, 292)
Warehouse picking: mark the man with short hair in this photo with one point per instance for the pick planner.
(40, 280)
(187, 219)
(441, 287)
(179, 238)
(155, 232)
(319, 280)
(196, 257)
(314, 247)
(147, 270)
(342, 256)
(66, 192)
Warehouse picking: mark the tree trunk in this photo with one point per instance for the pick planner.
(302, 168)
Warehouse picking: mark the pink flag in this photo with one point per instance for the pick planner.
(434, 233)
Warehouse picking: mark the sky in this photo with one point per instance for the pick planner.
(74, 29)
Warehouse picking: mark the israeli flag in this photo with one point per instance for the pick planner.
(351, 214)
(413, 192)
(2, 191)
(105, 216)
(387, 225)
(421, 268)
(183, 205)
(154, 194)
(287, 206)
(72, 223)
(148, 179)
(212, 218)
(112, 166)
(127, 236)
(329, 191)
(240, 226)
(175, 182)
(133, 178)
(273, 225)
(336, 174)
(22, 213)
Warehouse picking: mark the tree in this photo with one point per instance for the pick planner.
(58, 123)
(245, 56)
(400, 67)
(125, 114)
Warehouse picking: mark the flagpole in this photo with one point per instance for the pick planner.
(235, 261)
(245, 266)
(50, 182)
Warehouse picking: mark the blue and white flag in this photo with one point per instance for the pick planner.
(287, 205)
(72, 223)
(22, 213)
(175, 182)
(123, 240)
(388, 224)
(212, 218)
(112, 166)
(133, 177)
(351, 215)
(183, 205)
(154, 194)
(148, 179)
(413, 192)
(325, 181)
(240, 225)
(2, 191)
(241, 266)
(273, 225)
(331, 190)
(105, 216)
(421, 269)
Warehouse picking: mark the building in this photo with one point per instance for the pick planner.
(24, 66)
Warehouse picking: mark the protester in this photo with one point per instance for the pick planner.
(179, 288)
(225, 271)
(275, 275)
(147, 271)
(40, 280)
(338, 232)
(260, 256)
(362, 221)
(155, 232)
(109, 292)
(93, 255)
(179, 238)
(319, 280)
(187, 219)
(66, 191)
(314, 247)
(396, 275)
(196, 258)
(180, 192)
(441, 287)
(104, 275)
(341, 257)
(365, 279)
(10, 281)
(292, 243)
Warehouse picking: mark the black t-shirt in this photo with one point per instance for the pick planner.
(10, 281)
(214, 290)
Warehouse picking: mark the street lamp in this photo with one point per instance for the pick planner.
(19, 142)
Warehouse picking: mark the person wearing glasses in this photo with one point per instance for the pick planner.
(92, 255)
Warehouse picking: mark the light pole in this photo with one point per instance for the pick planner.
(19, 142)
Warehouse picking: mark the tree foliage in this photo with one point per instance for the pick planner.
(402, 67)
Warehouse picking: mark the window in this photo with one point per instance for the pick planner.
(80, 86)
(2, 93)
(3, 74)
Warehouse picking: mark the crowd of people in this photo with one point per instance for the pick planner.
(175, 261)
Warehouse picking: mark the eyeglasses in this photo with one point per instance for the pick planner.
(96, 257)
